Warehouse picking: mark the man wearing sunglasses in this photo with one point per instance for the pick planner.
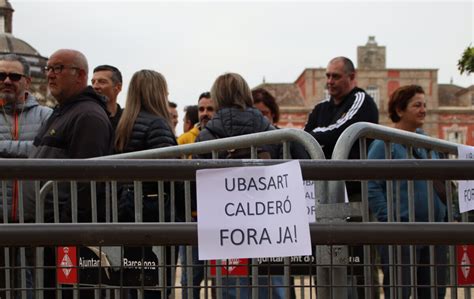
(21, 117)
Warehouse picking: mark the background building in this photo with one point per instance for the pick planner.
(11, 44)
(450, 108)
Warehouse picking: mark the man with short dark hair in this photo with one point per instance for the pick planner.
(205, 112)
(21, 119)
(107, 81)
(173, 110)
(347, 104)
(206, 108)
(190, 125)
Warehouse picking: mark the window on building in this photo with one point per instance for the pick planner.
(373, 91)
(456, 136)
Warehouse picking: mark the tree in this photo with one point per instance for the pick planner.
(466, 63)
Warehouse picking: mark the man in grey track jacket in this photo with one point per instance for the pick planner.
(20, 119)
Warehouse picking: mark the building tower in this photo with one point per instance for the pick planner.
(10, 44)
(371, 56)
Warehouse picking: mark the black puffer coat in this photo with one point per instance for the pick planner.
(229, 122)
(150, 131)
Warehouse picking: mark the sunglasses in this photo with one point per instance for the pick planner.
(13, 76)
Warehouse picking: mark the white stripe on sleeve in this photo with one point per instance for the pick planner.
(360, 96)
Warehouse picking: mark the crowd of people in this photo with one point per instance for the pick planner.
(88, 122)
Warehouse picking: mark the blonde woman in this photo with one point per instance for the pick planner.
(146, 124)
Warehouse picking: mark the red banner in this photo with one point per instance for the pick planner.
(66, 265)
(231, 267)
(465, 261)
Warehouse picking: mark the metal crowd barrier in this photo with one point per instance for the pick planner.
(331, 265)
(103, 235)
(284, 136)
(362, 132)
(56, 189)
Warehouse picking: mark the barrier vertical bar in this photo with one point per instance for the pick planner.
(21, 219)
(188, 249)
(108, 201)
(114, 200)
(161, 249)
(138, 198)
(94, 209)
(39, 218)
(74, 212)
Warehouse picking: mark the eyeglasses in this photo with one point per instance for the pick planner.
(13, 76)
(57, 69)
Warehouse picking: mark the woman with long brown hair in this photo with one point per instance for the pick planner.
(146, 124)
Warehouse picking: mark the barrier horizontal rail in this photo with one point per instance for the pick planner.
(244, 141)
(373, 131)
(360, 132)
(56, 169)
(143, 234)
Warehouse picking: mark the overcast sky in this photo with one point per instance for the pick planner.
(193, 42)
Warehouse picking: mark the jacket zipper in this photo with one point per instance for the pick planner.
(14, 132)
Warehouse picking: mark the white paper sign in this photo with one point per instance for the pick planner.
(250, 212)
(310, 197)
(466, 188)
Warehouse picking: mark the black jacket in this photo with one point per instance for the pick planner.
(327, 121)
(230, 122)
(150, 131)
(78, 129)
(116, 118)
